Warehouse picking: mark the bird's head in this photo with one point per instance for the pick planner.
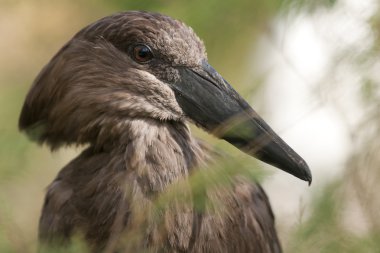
(139, 65)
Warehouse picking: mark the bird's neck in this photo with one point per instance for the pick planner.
(159, 153)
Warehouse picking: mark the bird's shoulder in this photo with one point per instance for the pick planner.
(258, 216)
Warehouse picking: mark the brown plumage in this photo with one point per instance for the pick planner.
(126, 86)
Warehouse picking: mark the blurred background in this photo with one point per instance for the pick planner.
(311, 68)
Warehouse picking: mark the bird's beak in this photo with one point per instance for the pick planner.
(210, 101)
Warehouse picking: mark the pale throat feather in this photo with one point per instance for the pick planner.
(161, 153)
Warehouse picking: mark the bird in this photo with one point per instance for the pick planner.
(126, 88)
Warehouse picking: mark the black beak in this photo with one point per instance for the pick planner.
(210, 101)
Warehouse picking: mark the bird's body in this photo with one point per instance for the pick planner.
(93, 191)
(126, 86)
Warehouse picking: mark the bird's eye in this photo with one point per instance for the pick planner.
(142, 53)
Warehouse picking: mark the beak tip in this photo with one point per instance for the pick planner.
(307, 174)
(309, 180)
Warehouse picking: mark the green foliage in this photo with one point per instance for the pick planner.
(77, 245)
(13, 146)
(324, 231)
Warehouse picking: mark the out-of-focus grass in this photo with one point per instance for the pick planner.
(13, 148)
(325, 231)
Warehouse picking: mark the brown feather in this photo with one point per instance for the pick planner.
(93, 93)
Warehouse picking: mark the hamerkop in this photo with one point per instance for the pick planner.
(126, 86)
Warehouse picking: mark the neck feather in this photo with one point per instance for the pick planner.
(159, 153)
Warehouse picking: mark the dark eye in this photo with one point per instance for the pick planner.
(142, 53)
